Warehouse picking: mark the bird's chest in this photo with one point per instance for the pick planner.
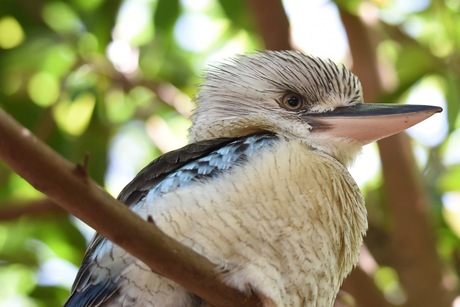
(288, 221)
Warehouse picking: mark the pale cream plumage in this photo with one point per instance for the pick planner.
(295, 253)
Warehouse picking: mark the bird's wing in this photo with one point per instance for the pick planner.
(95, 283)
(159, 168)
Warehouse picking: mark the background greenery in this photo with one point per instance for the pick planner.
(114, 79)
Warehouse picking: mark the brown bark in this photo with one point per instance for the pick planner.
(364, 291)
(412, 236)
(272, 23)
(362, 49)
(413, 243)
(68, 186)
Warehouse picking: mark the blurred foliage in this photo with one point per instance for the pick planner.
(114, 79)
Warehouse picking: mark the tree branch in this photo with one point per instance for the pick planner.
(69, 187)
(363, 289)
(33, 208)
(272, 23)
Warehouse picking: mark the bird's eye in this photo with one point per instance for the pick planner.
(292, 102)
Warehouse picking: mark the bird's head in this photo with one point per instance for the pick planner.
(296, 96)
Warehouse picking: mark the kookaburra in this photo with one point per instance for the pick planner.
(262, 190)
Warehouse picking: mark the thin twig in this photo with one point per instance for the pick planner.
(33, 208)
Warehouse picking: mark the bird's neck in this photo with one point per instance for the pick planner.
(235, 127)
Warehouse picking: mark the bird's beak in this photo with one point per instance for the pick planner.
(367, 122)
